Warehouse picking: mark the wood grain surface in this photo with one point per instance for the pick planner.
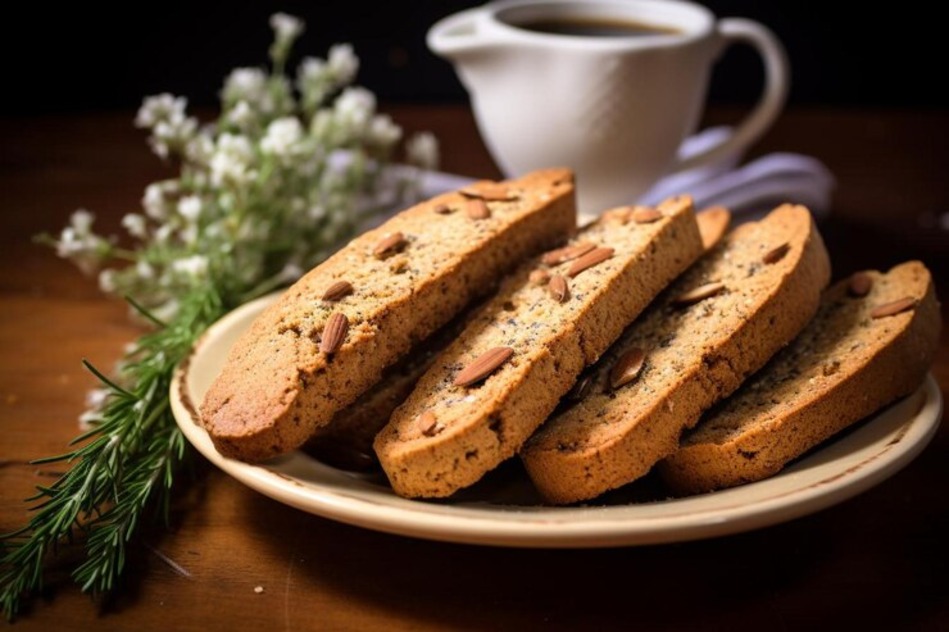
(871, 561)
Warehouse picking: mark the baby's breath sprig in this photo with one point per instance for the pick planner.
(287, 171)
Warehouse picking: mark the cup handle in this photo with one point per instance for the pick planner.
(733, 30)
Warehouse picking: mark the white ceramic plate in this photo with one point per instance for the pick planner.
(503, 510)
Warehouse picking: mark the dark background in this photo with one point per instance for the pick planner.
(82, 57)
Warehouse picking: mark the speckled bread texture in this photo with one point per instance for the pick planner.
(477, 427)
(347, 441)
(277, 386)
(844, 366)
(694, 356)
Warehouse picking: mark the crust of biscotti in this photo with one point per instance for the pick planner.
(614, 437)
(753, 436)
(481, 432)
(277, 387)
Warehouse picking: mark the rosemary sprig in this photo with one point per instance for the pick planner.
(123, 466)
(287, 172)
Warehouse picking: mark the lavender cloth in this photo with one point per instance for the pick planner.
(748, 190)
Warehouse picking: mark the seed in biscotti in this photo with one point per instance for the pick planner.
(697, 294)
(487, 191)
(645, 215)
(894, 307)
(428, 424)
(334, 333)
(559, 288)
(539, 277)
(477, 209)
(567, 253)
(444, 209)
(860, 284)
(776, 254)
(483, 366)
(628, 367)
(337, 291)
(388, 245)
(590, 259)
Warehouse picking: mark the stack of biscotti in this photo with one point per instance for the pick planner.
(330, 336)
(346, 442)
(717, 324)
(871, 342)
(506, 372)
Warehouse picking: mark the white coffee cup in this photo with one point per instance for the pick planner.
(614, 108)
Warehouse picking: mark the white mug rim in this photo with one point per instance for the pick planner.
(700, 26)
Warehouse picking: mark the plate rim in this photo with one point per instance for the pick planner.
(562, 527)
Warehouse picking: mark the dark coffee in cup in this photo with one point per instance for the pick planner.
(594, 27)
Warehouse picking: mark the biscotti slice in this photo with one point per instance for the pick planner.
(330, 335)
(505, 373)
(718, 323)
(871, 343)
(346, 442)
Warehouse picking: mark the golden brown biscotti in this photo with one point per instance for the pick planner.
(346, 442)
(528, 345)
(717, 324)
(855, 357)
(309, 355)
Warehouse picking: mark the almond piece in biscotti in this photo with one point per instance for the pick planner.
(552, 342)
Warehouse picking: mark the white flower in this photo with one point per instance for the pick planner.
(81, 220)
(144, 270)
(163, 233)
(107, 281)
(343, 63)
(155, 200)
(282, 136)
(189, 234)
(159, 108)
(96, 397)
(172, 134)
(231, 159)
(135, 225)
(312, 70)
(242, 115)
(382, 131)
(245, 84)
(189, 207)
(78, 243)
(356, 105)
(194, 266)
(286, 27)
(422, 150)
(200, 148)
(314, 81)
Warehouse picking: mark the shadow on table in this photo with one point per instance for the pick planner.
(785, 575)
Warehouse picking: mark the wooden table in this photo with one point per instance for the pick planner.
(872, 561)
